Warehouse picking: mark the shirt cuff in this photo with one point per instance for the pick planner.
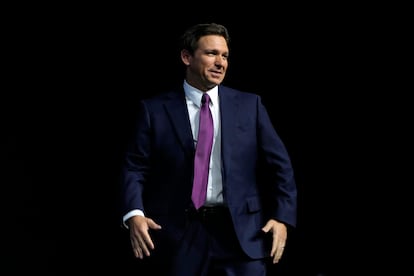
(131, 214)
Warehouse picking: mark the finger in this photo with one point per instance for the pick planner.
(139, 244)
(143, 244)
(136, 248)
(277, 254)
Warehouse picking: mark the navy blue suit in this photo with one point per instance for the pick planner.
(258, 179)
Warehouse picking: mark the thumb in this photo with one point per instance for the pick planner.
(152, 224)
(266, 228)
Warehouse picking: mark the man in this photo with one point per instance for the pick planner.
(251, 195)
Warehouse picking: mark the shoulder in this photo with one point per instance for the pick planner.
(163, 97)
(237, 93)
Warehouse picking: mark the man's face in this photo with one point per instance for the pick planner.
(207, 67)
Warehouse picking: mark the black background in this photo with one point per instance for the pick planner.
(74, 75)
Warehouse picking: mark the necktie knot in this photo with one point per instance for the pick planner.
(205, 99)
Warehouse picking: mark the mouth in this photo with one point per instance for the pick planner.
(216, 74)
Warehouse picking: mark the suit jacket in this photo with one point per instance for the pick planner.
(258, 179)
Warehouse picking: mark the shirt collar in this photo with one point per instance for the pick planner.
(195, 94)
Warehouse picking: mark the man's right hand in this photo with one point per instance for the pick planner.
(141, 241)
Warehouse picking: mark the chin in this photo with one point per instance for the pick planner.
(216, 81)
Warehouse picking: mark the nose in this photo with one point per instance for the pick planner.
(220, 61)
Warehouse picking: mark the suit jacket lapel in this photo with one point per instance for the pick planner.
(229, 109)
(176, 109)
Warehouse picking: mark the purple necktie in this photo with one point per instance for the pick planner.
(203, 152)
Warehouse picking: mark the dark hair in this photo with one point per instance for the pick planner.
(189, 40)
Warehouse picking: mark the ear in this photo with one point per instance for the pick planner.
(185, 56)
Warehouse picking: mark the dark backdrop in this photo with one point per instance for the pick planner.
(76, 74)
